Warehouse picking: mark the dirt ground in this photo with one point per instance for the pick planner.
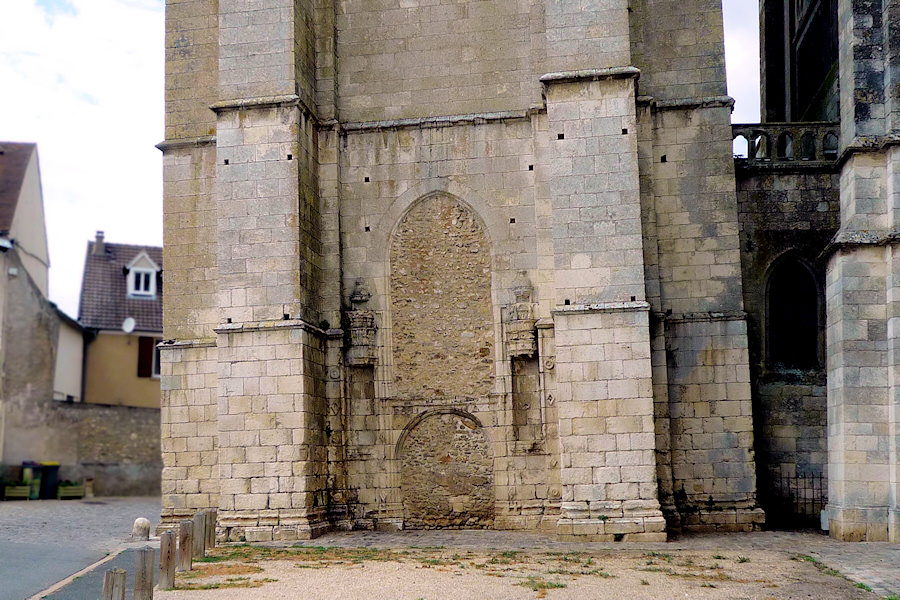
(251, 573)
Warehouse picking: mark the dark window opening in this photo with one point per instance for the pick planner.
(793, 320)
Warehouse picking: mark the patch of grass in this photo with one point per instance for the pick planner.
(243, 583)
(644, 582)
(576, 572)
(536, 583)
(707, 585)
(820, 565)
(743, 559)
(509, 554)
(892, 597)
(436, 562)
(863, 586)
(215, 570)
(210, 559)
(660, 555)
(719, 557)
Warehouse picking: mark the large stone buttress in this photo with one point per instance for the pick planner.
(485, 303)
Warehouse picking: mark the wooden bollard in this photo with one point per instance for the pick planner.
(185, 546)
(199, 534)
(211, 516)
(167, 560)
(144, 563)
(114, 585)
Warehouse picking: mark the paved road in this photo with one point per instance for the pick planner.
(45, 541)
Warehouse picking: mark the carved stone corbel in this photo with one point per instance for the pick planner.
(521, 339)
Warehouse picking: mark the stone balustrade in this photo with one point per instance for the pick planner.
(788, 144)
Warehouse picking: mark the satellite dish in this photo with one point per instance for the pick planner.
(128, 325)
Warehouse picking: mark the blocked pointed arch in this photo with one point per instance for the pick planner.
(794, 302)
(490, 217)
(441, 303)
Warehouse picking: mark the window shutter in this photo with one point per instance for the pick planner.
(145, 356)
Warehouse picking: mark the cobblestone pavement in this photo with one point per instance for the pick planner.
(45, 541)
(874, 564)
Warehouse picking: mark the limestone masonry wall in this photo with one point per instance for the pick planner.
(448, 265)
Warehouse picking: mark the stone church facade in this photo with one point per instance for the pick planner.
(491, 264)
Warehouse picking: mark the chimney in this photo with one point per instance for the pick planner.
(99, 246)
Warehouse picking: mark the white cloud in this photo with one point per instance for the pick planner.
(84, 79)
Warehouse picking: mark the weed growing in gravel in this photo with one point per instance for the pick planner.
(863, 586)
(743, 559)
(537, 583)
(660, 555)
(819, 565)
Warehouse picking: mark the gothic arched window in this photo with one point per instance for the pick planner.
(793, 316)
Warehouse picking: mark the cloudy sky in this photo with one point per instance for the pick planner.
(84, 79)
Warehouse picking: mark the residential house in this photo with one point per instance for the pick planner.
(121, 311)
(43, 415)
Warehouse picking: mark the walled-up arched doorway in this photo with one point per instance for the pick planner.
(446, 472)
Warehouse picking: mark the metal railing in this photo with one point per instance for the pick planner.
(795, 501)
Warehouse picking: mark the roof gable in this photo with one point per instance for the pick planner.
(142, 261)
(14, 160)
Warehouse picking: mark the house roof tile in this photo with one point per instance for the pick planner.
(104, 291)
(14, 159)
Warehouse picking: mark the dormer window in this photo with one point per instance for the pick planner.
(142, 273)
(142, 283)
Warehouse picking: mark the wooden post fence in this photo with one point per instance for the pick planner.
(144, 563)
(167, 543)
(114, 585)
(211, 516)
(199, 534)
(185, 546)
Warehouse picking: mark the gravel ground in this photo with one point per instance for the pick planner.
(448, 574)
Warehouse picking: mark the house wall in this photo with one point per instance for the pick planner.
(116, 446)
(68, 377)
(111, 374)
(28, 228)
